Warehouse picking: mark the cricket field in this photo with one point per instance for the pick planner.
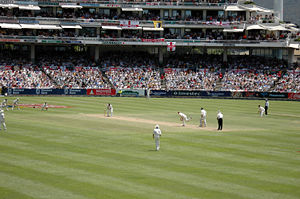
(72, 151)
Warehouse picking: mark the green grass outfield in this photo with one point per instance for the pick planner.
(76, 153)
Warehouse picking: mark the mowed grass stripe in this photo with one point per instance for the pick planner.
(129, 166)
(160, 192)
(189, 164)
(114, 182)
(210, 150)
(7, 193)
(32, 188)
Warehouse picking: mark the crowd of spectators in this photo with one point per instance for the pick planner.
(81, 77)
(142, 78)
(290, 82)
(141, 70)
(24, 77)
(190, 80)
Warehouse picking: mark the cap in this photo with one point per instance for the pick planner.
(157, 126)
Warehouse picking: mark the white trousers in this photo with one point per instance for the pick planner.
(203, 121)
(15, 105)
(262, 113)
(109, 113)
(2, 123)
(157, 143)
(184, 119)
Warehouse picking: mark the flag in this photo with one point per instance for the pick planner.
(171, 46)
(157, 24)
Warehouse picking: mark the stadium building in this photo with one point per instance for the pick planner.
(226, 27)
(157, 30)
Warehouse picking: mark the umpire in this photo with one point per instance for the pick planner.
(220, 121)
(266, 107)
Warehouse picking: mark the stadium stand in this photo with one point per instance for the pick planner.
(171, 45)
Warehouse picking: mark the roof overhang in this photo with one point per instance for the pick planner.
(234, 8)
(71, 26)
(29, 7)
(111, 28)
(152, 29)
(255, 27)
(71, 6)
(233, 30)
(10, 26)
(132, 9)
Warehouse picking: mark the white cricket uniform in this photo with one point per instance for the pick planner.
(45, 106)
(262, 111)
(157, 134)
(203, 118)
(184, 118)
(2, 120)
(109, 110)
(4, 105)
(15, 104)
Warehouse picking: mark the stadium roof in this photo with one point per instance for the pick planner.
(234, 8)
(258, 9)
(296, 46)
(152, 29)
(30, 26)
(111, 28)
(132, 9)
(10, 26)
(233, 30)
(29, 7)
(71, 6)
(276, 28)
(255, 27)
(9, 5)
(131, 28)
(50, 27)
(71, 26)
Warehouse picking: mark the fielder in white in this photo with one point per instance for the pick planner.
(156, 136)
(45, 106)
(4, 104)
(183, 118)
(203, 118)
(261, 110)
(15, 104)
(109, 110)
(2, 120)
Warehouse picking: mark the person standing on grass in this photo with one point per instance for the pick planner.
(109, 110)
(2, 120)
(261, 110)
(220, 120)
(156, 136)
(203, 118)
(266, 106)
(15, 104)
(4, 104)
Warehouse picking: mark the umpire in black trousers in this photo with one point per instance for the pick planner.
(220, 120)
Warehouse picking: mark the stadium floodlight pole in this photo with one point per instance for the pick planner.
(278, 7)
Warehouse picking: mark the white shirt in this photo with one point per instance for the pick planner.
(220, 115)
(203, 113)
(15, 101)
(157, 133)
(109, 107)
(267, 103)
(182, 115)
(2, 116)
(261, 109)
